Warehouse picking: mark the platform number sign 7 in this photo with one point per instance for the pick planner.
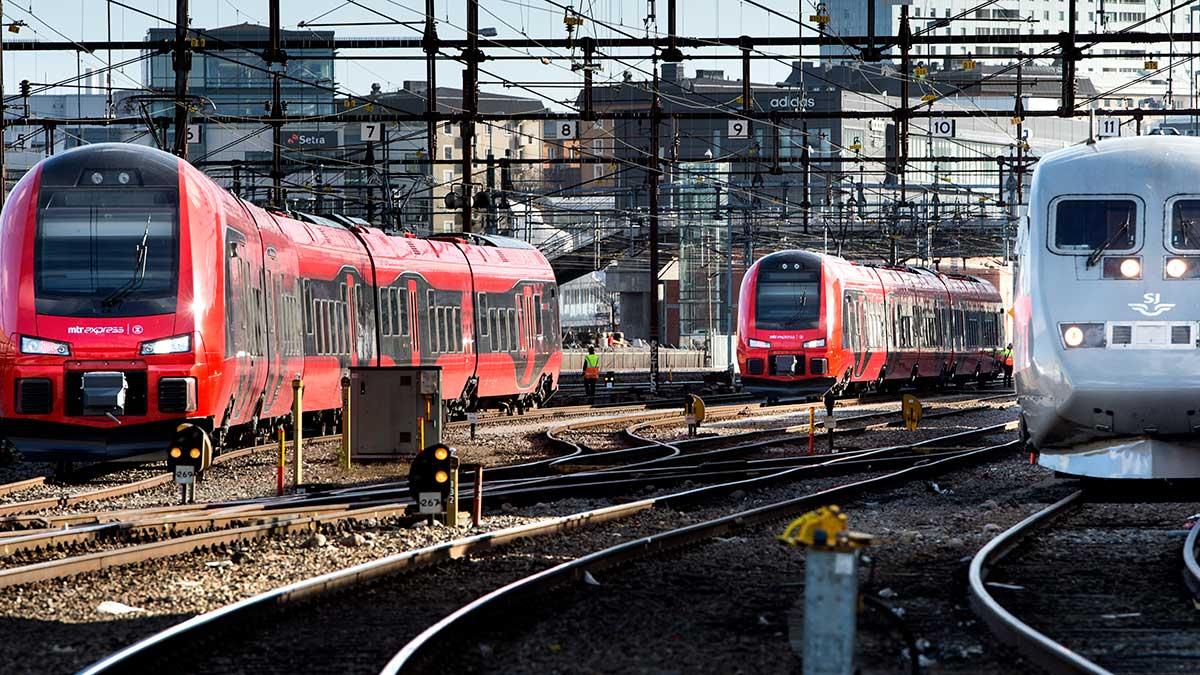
(739, 128)
(566, 129)
(941, 128)
(371, 132)
(1109, 127)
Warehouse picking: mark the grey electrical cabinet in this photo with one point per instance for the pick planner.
(389, 408)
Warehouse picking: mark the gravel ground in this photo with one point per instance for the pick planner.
(1144, 621)
(726, 606)
(54, 610)
(58, 622)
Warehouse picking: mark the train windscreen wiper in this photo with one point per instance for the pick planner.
(1099, 250)
(139, 273)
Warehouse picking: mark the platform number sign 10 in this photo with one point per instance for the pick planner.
(566, 129)
(941, 128)
(371, 132)
(739, 128)
(1110, 127)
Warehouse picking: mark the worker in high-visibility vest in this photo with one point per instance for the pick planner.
(1006, 358)
(591, 373)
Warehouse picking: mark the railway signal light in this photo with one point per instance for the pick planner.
(433, 481)
(188, 457)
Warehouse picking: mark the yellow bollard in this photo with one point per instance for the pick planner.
(346, 423)
(298, 423)
(812, 431)
(279, 467)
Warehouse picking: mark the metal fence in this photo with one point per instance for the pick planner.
(636, 359)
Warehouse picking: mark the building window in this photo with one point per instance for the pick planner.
(447, 152)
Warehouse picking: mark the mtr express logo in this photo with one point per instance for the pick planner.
(135, 329)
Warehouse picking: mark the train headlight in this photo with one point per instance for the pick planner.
(32, 345)
(1079, 335)
(813, 344)
(1131, 268)
(1176, 268)
(172, 345)
(759, 344)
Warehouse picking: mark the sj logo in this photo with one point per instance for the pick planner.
(1152, 305)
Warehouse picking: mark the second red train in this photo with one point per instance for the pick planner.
(808, 322)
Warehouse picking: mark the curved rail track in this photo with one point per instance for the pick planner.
(1086, 585)
(898, 463)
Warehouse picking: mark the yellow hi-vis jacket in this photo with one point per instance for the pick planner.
(591, 366)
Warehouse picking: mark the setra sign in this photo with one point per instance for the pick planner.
(310, 139)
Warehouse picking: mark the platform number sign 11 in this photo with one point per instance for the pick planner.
(739, 128)
(941, 128)
(371, 132)
(566, 129)
(1110, 127)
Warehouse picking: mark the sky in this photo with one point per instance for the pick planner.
(537, 19)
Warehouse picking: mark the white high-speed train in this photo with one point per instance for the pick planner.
(1107, 309)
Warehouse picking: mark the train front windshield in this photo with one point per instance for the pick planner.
(107, 252)
(788, 300)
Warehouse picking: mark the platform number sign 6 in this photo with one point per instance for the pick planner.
(1109, 127)
(941, 128)
(739, 129)
(565, 130)
(372, 132)
(193, 133)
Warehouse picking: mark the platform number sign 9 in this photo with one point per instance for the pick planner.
(566, 129)
(371, 132)
(739, 128)
(1110, 127)
(941, 128)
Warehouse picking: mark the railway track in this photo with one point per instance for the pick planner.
(893, 463)
(1091, 584)
(158, 532)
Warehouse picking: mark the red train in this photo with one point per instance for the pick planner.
(808, 322)
(135, 294)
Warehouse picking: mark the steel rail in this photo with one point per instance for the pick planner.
(1035, 646)
(142, 652)
(55, 569)
(101, 494)
(656, 544)
(1191, 568)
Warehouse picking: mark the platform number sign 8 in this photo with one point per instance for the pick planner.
(565, 130)
(1109, 127)
(941, 128)
(739, 129)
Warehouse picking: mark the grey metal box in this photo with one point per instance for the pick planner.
(388, 405)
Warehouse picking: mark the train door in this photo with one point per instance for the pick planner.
(244, 324)
(278, 271)
(414, 322)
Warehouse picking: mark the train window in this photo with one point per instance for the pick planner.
(1185, 225)
(435, 332)
(402, 303)
(481, 311)
(308, 308)
(495, 329)
(387, 310)
(512, 330)
(787, 300)
(456, 324)
(1089, 224)
(319, 325)
(537, 315)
